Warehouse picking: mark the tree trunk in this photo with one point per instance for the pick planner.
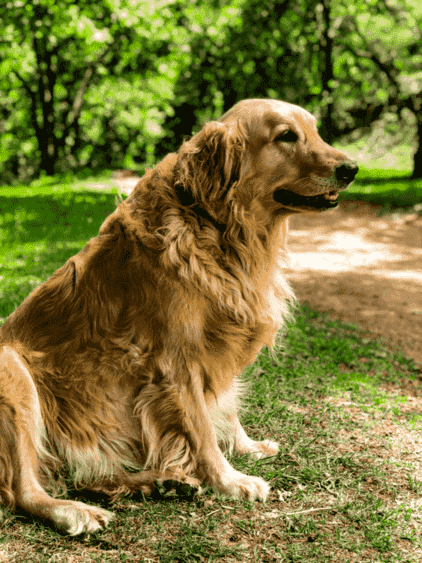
(177, 127)
(417, 157)
(48, 154)
(45, 96)
(327, 129)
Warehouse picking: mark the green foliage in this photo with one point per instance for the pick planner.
(81, 81)
(118, 83)
(245, 50)
(377, 62)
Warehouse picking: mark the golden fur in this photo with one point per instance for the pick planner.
(123, 366)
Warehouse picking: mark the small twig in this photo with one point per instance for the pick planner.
(218, 510)
(306, 511)
(211, 513)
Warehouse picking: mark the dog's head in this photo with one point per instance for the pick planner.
(263, 151)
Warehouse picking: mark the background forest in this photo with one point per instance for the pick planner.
(105, 84)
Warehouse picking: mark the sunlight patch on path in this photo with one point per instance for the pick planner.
(343, 251)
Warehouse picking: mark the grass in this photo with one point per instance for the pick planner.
(391, 190)
(345, 407)
(41, 226)
(384, 174)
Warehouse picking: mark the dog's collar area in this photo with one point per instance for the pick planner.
(187, 199)
(291, 199)
(201, 212)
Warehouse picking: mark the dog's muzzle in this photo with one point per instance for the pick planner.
(343, 176)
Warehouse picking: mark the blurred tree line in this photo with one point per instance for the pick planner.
(118, 83)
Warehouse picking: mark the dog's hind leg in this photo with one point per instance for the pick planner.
(21, 428)
(225, 411)
(245, 445)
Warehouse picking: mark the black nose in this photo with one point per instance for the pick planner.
(347, 171)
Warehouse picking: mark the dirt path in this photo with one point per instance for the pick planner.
(361, 267)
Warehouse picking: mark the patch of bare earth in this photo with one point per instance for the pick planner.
(363, 268)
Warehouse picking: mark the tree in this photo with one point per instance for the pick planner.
(327, 71)
(378, 65)
(349, 62)
(111, 83)
(241, 50)
(79, 80)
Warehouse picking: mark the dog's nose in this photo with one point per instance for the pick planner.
(347, 171)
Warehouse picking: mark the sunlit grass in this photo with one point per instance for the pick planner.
(391, 189)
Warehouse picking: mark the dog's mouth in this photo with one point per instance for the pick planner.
(326, 200)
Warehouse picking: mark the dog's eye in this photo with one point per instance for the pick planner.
(287, 137)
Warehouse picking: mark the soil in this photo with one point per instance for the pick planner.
(361, 267)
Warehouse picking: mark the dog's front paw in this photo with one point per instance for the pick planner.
(239, 485)
(257, 450)
(74, 518)
(266, 448)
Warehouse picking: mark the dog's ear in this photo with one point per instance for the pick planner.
(209, 165)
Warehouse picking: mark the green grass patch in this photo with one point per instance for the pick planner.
(41, 226)
(391, 189)
(345, 408)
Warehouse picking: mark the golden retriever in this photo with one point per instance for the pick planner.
(124, 366)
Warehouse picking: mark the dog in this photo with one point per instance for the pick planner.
(123, 368)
